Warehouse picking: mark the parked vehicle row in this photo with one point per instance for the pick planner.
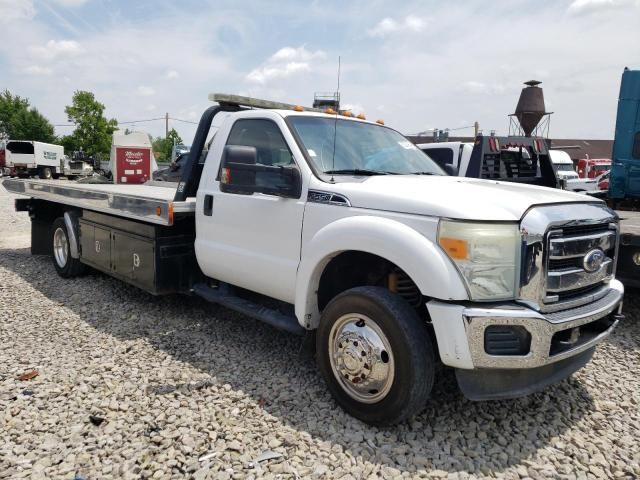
(24, 158)
(341, 230)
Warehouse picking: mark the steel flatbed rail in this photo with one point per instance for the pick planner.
(146, 203)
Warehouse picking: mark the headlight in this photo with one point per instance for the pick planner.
(487, 255)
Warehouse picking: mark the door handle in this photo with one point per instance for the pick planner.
(208, 205)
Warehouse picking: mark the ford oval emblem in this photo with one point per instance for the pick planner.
(592, 261)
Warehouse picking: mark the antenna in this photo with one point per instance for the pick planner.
(335, 125)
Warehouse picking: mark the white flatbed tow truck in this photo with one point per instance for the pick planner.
(339, 229)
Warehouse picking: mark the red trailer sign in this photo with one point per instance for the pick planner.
(133, 165)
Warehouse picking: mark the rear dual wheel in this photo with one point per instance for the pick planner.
(64, 263)
(376, 355)
(45, 173)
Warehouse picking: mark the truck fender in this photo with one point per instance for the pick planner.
(71, 221)
(420, 258)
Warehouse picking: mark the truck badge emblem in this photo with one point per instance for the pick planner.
(592, 261)
(97, 246)
(136, 260)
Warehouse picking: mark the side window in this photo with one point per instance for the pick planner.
(442, 156)
(265, 135)
(636, 146)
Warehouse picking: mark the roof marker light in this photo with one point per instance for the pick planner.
(361, 116)
(298, 108)
(329, 111)
(380, 121)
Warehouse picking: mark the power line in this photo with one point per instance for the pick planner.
(185, 121)
(129, 122)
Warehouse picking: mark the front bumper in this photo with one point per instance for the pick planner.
(460, 331)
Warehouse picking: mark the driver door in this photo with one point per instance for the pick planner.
(253, 240)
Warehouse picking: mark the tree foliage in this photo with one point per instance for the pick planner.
(164, 145)
(93, 131)
(19, 122)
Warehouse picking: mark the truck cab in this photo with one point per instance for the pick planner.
(341, 230)
(624, 181)
(563, 165)
(593, 167)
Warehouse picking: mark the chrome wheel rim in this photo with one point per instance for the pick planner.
(361, 358)
(60, 247)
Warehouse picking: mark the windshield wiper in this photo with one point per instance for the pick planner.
(358, 171)
(424, 173)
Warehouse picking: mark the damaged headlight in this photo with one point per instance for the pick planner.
(486, 254)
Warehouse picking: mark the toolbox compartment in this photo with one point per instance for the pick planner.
(155, 258)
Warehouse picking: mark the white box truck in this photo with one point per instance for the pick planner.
(29, 158)
(341, 230)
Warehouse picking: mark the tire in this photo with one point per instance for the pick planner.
(55, 176)
(403, 356)
(45, 173)
(65, 265)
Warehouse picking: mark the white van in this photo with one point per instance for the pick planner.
(29, 158)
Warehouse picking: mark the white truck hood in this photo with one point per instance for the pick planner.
(451, 197)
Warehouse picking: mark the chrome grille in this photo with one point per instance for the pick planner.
(568, 248)
(556, 239)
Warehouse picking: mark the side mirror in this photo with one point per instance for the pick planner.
(450, 169)
(236, 175)
(241, 174)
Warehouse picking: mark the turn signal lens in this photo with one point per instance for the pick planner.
(454, 247)
(225, 176)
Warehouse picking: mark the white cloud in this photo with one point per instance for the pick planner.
(284, 63)
(54, 49)
(146, 91)
(586, 6)
(388, 25)
(13, 10)
(37, 70)
(70, 3)
(151, 107)
(479, 88)
(172, 74)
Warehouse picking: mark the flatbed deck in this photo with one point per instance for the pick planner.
(147, 203)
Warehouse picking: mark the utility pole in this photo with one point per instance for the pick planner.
(476, 129)
(166, 125)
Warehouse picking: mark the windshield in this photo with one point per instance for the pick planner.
(360, 148)
(601, 168)
(564, 167)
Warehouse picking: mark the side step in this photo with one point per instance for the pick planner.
(224, 296)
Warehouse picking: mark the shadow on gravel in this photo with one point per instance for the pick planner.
(452, 434)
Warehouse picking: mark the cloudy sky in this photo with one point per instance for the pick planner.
(416, 64)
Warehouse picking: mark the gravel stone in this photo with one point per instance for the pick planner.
(176, 379)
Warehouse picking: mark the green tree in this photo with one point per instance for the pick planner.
(19, 122)
(164, 145)
(93, 131)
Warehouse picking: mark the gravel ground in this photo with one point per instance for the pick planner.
(131, 386)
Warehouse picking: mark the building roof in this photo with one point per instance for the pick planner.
(577, 148)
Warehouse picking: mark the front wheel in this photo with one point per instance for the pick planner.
(65, 264)
(376, 355)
